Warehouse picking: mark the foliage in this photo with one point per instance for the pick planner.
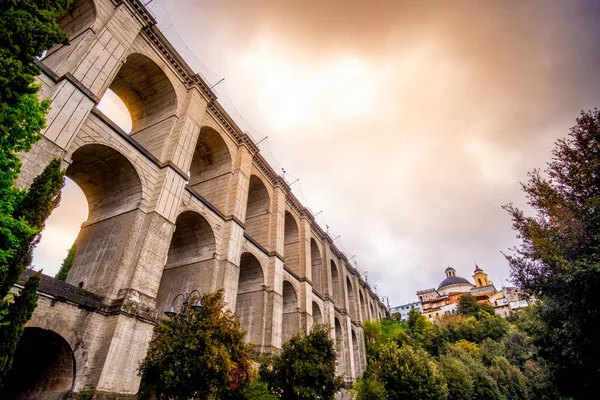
(458, 378)
(478, 356)
(33, 208)
(27, 27)
(468, 305)
(410, 373)
(305, 368)
(19, 312)
(370, 388)
(199, 355)
(258, 390)
(67, 263)
(558, 259)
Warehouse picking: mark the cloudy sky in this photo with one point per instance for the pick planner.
(408, 123)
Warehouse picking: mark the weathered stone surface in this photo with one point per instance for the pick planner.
(153, 231)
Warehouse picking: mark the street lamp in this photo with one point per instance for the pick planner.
(186, 298)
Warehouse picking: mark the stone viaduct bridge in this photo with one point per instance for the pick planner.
(184, 201)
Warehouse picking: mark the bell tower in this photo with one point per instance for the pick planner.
(480, 277)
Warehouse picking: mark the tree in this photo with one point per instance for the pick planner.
(305, 368)
(33, 208)
(27, 27)
(459, 380)
(19, 312)
(370, 388)
(558, 259)
(199, 355)
(67, 263)
(410, 373)
(468, 305)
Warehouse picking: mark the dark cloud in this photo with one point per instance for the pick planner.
(468, 97)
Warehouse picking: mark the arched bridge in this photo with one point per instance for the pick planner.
(183, 201)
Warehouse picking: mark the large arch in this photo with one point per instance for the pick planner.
(363, 308)
(43, 368)
(351, 299)
(372, 311)
(336, 285)
(190, 262)
(317, 315)
(211, 168)
(258, 212)
(318, 276)
(251, 298)
(291, 244)
(291, 321)
(150, 99)
(114, 193)
(79, 16)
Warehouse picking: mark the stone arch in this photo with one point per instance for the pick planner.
(79, 16)
(108, 179)
(211, 168)
(316, 262)
(317, 314)
(363, 308)
(336, 284)
(291, 320)
(372, 311)
(351, 299)
(291, 243)
(44, 366)
(251, 298)
(258, 212)
(114, 192)
(190, 262)
(151, 100)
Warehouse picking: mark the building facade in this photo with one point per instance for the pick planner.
(401, 312)
(443, 301)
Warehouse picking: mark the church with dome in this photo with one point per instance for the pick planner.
(436, 303)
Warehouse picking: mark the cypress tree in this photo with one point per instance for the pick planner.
(34, 208)
(18, 313)
(67, 263)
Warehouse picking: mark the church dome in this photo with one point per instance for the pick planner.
(453, 280)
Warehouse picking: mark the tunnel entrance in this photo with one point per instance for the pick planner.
(43, 367)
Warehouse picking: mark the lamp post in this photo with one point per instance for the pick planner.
(186, 298)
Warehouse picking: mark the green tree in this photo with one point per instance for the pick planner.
(199, 355)
(67, 263)
(27, 27)
(33, 208)
(410, 373)
(459, 380)
(469, 306)
(509, 378)
(19, 312)
(558, 260)
(305, 368)
(370, 388)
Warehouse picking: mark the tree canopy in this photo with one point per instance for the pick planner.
(305, 368)
(558, 259)
(198, 355)
(473, 355)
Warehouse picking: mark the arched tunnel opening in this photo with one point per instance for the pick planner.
(43, 367)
